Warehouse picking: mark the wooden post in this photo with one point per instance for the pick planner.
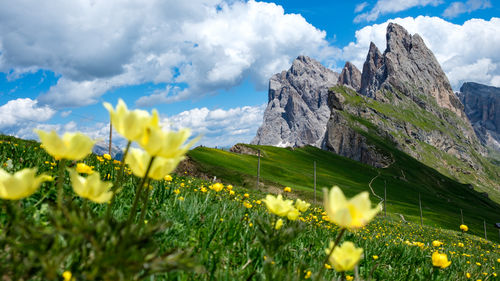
(462, 216)
(314, 182)
(110, 136)
(485, 236)
(385, 198)
(420, 204)
(258, 167)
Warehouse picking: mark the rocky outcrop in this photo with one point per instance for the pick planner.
(350, 76)
(298, 111)
(373, 72)
(482, 106)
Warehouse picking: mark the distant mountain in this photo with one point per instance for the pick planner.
(482, 106)
(402, 99)
(297, 111)
(102, 147)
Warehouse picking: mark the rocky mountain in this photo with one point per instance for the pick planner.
(297, 111)
(102, 147)
(402, 100)
(482, 106)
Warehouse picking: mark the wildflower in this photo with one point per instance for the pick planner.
(180, 198)
(460, 244)
(21, 184)
(467, 275)
(287, 189)
(130, 124)
(440, 260)
(107, 156)
(437, 243)
(293, 214)
(247, 205)
(203, 189)
(327, 266)
(302, 205)
(177, 191)
(246, 195)
(72, 146)
(277, 205)
(165, 143)
(231, 192)
(375, 257)
(354, 213)
(463, 227)
(67, 275)
(229, 187)
(168, 178)
(308, 275)
(83, 168)
(216, 187)
(345, 257)
(279, 224)
(138, 160)
(91, 187)
(349, 278)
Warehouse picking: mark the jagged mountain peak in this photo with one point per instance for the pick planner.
(350, 76)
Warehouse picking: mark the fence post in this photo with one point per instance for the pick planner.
(110, 136)
(258, 167)
(420, 204)
(462, 216)
(485, 235)
(314, 182)
(385, 198)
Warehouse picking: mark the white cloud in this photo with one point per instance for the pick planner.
(457, 8)
(383, 7)
(22, 111)
(467, 52)
(220, 127)
(360, 7)
(99, 45)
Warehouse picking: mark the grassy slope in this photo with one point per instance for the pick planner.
(442, 197)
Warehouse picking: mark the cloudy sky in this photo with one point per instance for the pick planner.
(205, 64)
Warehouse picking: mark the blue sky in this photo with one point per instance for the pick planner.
(205, 64)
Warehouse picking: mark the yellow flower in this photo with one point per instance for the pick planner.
(231, 192)
(375, 257)
(302, 205)
(287, 189)
(166, 143)
(229, 187)
(83, 168)
(107, 156)
(180, 198)
(216, 187)
(246, 195)
(355, 213)
(21, 184)
(308, 275)
(460, 244)
(440, 260)
(72, 146)
(293, 214)
(177, 191)
(138, 160)
(247, 205)
(168, 178)
(349, 278)
(327, 266)
(67, 275)
(91, 187)
(279, 224)
(130, 124)
(463, 227)
(345, 257)
(203, 189)
(437, 243)
(277, 205)
(467, 275)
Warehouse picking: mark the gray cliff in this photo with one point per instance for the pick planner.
(350, 76)
(482, 106)
(297, 111)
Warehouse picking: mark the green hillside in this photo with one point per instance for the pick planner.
(442, 198)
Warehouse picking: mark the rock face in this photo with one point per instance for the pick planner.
(102, 147)
(297, 111)
(371, 77)
(482, 106)
(350, 76)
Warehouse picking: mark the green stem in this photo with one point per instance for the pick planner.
(341, 233)
(60, 179)
(138, 192)
(145, 202)
(118, 182)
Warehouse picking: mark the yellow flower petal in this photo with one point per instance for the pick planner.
(91, 187)
(72, 146)
(21, 184)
